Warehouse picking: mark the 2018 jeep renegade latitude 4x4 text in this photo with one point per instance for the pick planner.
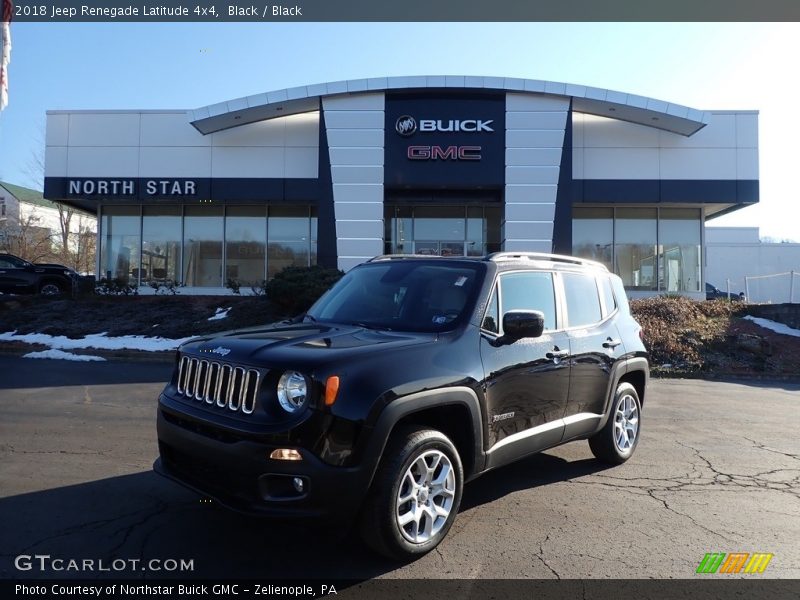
(409, 377)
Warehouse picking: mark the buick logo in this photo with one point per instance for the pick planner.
(406, 125)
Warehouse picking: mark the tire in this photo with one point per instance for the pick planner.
(50, 288)
(613, 443)
(407, 530)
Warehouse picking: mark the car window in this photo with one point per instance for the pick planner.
(491, 321)
(401, 295)
(7, 263)
(583, 303)
(529, 291)
(609, 304)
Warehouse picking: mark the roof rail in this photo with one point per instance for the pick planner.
(402, 256)
(498, 256)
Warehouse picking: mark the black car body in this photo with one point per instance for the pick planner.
(18, 276)
(406, 360)
(713, 293)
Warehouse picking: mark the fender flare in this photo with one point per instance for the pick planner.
(628, 365)
(419, 401)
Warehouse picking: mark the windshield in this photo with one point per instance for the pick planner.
(401, 295)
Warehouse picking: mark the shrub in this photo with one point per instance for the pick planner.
(233, 285)
(259, 288)
(115, 287)
(167, 287)
(295, 289)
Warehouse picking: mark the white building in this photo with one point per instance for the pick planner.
(335, 173)
(24, 213)
(764, 271)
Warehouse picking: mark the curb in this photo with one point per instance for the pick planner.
(19, 349)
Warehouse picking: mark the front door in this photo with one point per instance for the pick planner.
(15, 275)
(527, 381)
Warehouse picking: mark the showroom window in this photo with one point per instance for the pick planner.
(202, 246)
(593, 234)
(245, 244)
(161, 244)
(442, 230)
(189, 245)
(635, 247)
(679, 233)
(651, 249)
(292, 238)
(120, 241)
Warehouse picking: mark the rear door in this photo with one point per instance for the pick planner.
(596, 346)
(527, 381)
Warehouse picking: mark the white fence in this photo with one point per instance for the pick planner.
(777, 288)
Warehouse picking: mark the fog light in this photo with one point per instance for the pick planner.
(299, 485)
(285, 454)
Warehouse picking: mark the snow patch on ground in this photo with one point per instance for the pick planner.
(774, 326)
(98, 341)
(61, 355)
(222, 313)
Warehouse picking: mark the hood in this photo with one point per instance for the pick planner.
(299, 344)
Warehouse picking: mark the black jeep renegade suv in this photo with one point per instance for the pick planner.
(409, 377)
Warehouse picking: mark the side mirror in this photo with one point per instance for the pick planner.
(518, 324)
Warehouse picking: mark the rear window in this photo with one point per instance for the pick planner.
(607, 295)
(583, 303)
(619, 293)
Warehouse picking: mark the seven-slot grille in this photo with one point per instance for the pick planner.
(218, 384)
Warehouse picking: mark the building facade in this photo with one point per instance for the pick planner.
(336, 173)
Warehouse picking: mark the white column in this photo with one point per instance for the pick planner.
(354, 125)
(535, 127)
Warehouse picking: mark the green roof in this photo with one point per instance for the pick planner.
(27, 195)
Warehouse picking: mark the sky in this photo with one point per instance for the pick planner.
(181, 66)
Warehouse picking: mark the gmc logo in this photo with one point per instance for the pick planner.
(441, 153)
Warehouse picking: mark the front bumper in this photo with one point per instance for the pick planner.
(237, 473)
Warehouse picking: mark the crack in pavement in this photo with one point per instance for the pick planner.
(540, 556)
(81, 528)
(12, 450)
(650, 493)
(655, 487)
(764, 447)
(127, 530)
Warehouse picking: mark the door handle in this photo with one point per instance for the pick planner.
(556, 353)
(609, 343)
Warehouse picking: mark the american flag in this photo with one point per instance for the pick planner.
(5, 51)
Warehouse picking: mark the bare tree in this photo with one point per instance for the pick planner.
(72, 249)
(24, 237)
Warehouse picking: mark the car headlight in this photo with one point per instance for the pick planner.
(292, 391)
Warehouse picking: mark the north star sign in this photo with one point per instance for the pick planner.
(127, 187)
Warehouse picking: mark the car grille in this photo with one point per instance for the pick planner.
(218, 384)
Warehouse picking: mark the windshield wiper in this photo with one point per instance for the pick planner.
(370, 325)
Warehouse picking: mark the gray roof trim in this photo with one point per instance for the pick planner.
(650, 112)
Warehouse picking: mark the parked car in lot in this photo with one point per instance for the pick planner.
(409, 377)
(712, 293)
(18, 276)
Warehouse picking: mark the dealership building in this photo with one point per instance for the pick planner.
(336, 173)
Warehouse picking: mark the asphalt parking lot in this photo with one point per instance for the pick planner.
(717, 470)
